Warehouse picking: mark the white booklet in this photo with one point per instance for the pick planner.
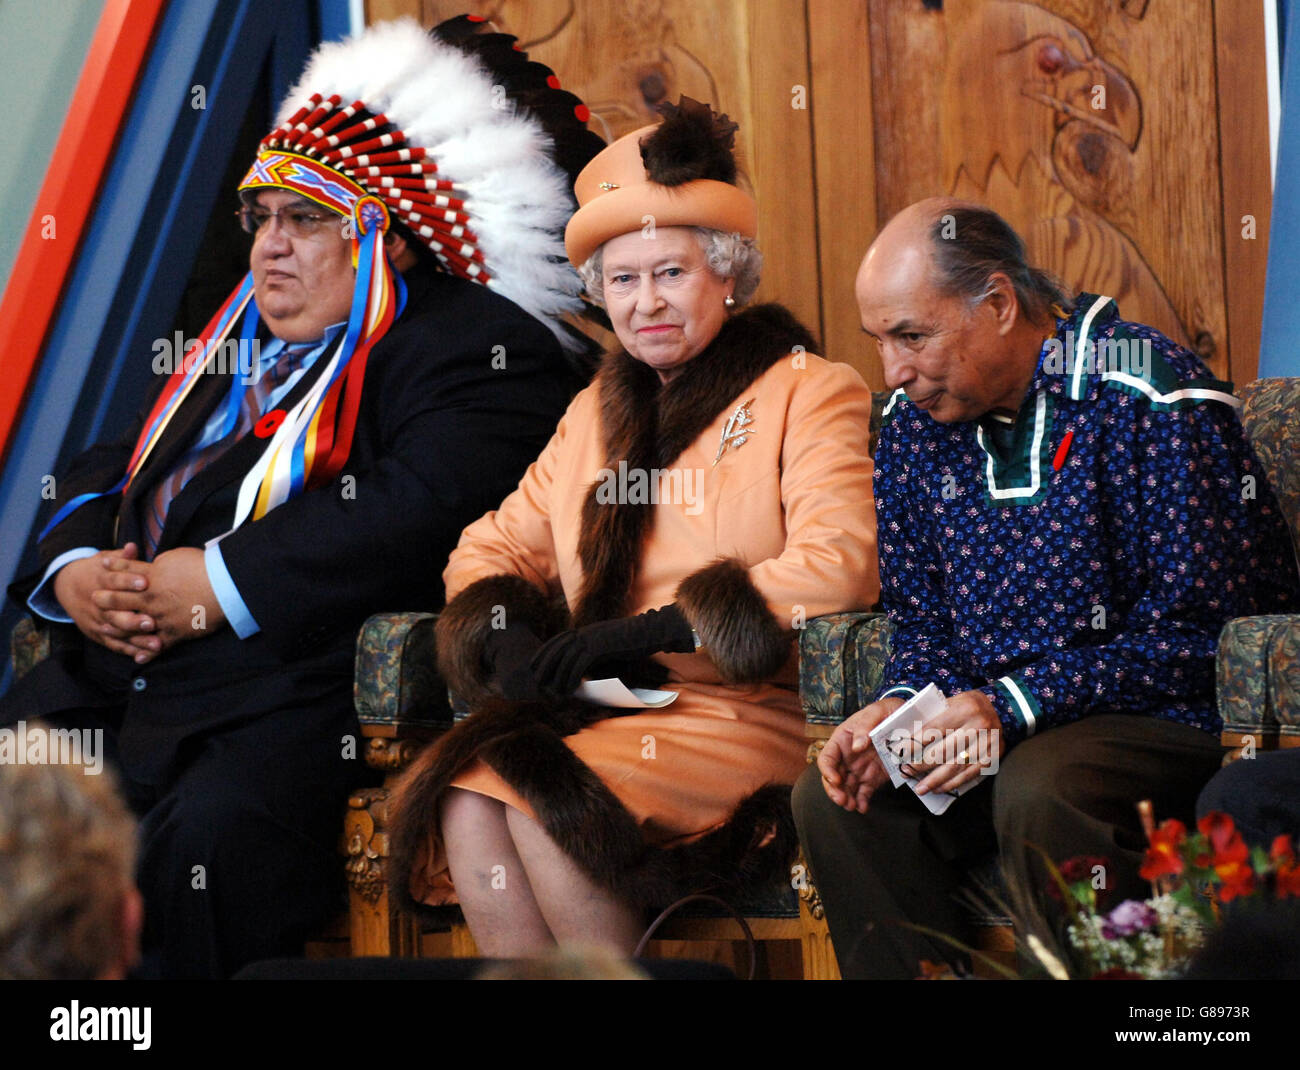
(904, 724)
(613, 692)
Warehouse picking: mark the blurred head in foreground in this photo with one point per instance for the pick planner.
(69, 908)
(573, 963)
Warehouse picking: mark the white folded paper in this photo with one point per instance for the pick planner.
(613, 692)
(898, 739)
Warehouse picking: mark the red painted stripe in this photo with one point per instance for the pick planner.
(81, 158)
(1062, 450)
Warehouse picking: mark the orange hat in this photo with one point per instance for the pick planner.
(681, 172)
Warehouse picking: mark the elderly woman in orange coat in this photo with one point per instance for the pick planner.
(706, 495)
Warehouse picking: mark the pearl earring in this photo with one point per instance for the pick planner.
(729, 301)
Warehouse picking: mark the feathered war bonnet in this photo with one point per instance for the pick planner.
(456, 137)
(680, 172)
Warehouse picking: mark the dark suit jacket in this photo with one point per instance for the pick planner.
(441, 438)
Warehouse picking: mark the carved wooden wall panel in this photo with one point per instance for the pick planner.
(1136, 191)
(624, 57)
(1093, 126)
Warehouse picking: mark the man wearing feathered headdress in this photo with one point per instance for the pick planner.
(204, 577)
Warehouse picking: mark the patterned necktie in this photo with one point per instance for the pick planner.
(251, 409)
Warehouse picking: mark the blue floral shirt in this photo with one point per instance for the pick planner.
(1084, 558)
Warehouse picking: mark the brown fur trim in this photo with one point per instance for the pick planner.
(414, 804)
(738, 630)
(647, 425)
(584, 818)
(463, 627)
(494, 725)
(755, 848)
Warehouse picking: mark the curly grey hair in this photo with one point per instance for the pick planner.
(729, 256)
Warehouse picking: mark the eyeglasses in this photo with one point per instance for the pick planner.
(298, 221)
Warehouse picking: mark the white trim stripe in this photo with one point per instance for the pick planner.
(1196, 393)
(1085, 325)
(1026, 711)
(900, 687)
(1035, 475)
(893, 400)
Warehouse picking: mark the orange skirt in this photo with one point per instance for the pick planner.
(681, 771)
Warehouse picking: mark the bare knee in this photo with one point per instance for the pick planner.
(469, 812)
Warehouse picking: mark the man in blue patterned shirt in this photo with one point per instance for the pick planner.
(1068, 513)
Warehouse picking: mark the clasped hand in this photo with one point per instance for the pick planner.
(851, 769)
(139, 608)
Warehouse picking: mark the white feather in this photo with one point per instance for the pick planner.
(518, 198)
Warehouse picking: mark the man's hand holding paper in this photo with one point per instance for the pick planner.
(850, 767)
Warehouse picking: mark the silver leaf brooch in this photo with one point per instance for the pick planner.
(737, 429)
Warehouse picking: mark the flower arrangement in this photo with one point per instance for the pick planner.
(1194, 876)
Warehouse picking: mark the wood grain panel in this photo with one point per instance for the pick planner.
(1247, 175)
(991, 99)
(839, 50)
(623, 58)
(780, 137)
(1096, 139)
(908, 52)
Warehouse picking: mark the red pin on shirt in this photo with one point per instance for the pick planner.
(1062, 450)
(269, 424)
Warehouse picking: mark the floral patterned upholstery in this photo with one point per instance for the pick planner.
(1259, 657)
(841, 659)
(1271, 416)
(28, 645)
(396, 682)
(1259, 677)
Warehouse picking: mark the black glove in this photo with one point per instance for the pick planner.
(565, 659)
(506, 654)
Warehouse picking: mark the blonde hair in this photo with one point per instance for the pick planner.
(572, 962)
(67, 861)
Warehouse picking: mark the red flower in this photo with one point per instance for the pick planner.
(1225, 840)
(1230, 857)
(1081, 869)
(1288, 873)
(1162, 856)
(1237, 879)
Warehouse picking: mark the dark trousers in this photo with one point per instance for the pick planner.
(239, 851)
(1071, 791)
(1261, 794)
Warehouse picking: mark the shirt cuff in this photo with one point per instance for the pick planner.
(232, 605)
(42, 601)
(898, 689)
(1017, 707)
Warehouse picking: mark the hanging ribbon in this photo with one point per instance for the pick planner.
(312, 443)
(173, 395)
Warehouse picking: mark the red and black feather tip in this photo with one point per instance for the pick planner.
(693, 142)
(532, 87)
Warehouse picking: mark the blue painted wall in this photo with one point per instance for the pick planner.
(140, 248)
(1279, 351)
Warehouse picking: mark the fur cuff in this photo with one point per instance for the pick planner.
(464, 625)
(741, 635)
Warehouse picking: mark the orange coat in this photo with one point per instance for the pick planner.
(792, 502)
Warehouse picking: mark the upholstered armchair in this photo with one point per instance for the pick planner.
(1259, 657)
(403, 704)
